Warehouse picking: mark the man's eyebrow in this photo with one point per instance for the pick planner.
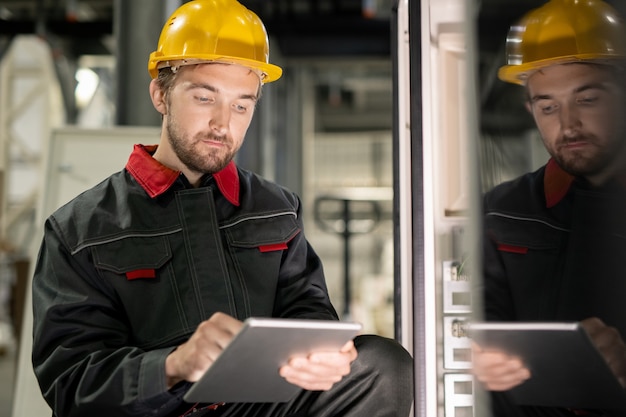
(580, 89)
(538, 97)
(204, 86)
(214, 89)
(593, 86)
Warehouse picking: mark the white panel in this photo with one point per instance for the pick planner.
(453, 169)
(80, 158)
(404, 173)
(456, 344)
(457, 292)
(30, 106)
(459, 393)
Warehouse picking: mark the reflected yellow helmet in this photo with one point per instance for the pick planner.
(563, 31)
(214, 31)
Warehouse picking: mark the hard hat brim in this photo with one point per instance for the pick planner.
(269, 71)
(519, 74)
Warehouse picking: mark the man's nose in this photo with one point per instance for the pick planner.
(570, 120)
(220, 118)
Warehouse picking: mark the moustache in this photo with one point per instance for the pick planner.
(572, 139)
(212, 137)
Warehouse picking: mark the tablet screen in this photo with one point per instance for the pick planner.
(566, 368)
(247, 370)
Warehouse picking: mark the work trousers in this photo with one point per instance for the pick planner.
(502, 406)
(380, 384)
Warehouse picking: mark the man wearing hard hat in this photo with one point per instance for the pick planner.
(555, 239)
(144, 279)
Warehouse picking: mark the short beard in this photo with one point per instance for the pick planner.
(581, 167)
(183, 148)
(578, 167)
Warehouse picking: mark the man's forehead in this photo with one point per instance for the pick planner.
(201, 75)
(572, 76)
(203, 65)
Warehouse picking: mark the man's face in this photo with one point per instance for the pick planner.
(208, 111)
(579, 110)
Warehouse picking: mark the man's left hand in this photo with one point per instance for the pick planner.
(610, 344)
(319, 371)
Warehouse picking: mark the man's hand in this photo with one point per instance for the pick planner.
(319, 371)
(610, 344)
(191, 359)
(496, 370)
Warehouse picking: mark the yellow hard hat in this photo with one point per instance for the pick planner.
(214, 31)
(563, 31)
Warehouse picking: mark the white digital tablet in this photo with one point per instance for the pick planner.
(247, 370)
(566, 368)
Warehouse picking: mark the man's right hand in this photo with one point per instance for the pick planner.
(496, 370)
(192, 359)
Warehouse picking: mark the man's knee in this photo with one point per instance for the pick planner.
(384, 354)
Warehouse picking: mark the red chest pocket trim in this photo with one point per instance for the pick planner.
(141, 273)
(512, 249)
(273, 247)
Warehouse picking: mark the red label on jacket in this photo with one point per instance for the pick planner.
(273, 247)
(141, 273)
(511, 248)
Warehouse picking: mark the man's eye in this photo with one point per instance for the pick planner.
(587, 100)
(548, 109)
(240, 108)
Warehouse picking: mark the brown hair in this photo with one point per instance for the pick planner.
(166, 80)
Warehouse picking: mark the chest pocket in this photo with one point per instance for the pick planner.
(262, 231)
(140, 270)
(256, 246)
(530, 251)
(131, 254)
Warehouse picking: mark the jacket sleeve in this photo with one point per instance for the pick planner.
(497, 301)
(302, 290)
(81, 355)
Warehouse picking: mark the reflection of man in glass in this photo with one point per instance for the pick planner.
(555, 239)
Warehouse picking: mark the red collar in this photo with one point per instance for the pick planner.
(556, 183)
(156, 178)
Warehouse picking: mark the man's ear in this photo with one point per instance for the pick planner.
(157, 95)
(528, 106)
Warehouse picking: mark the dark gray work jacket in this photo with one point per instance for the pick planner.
(129, 268)
(554, 249)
